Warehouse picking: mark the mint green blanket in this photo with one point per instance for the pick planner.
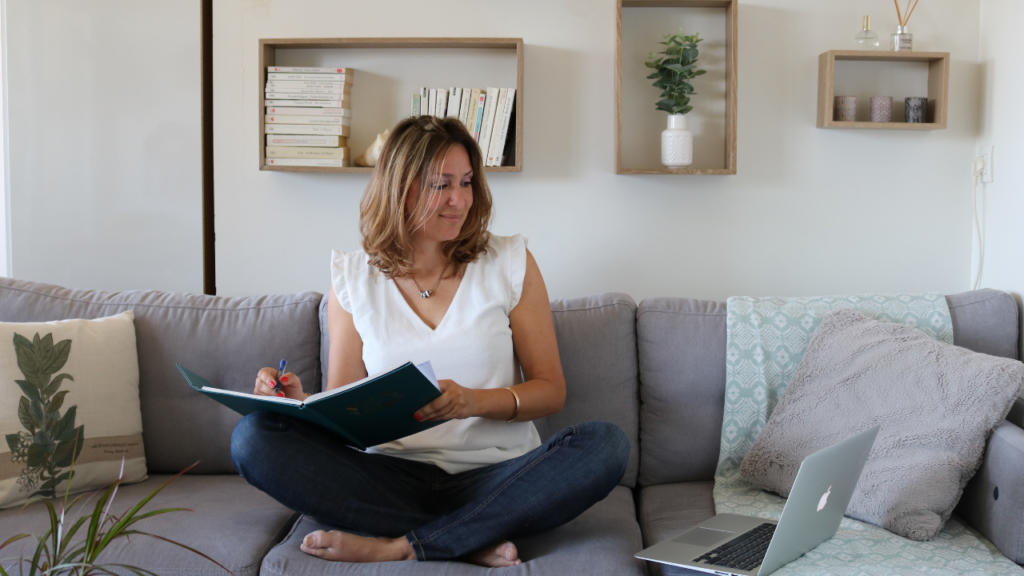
(767, 338)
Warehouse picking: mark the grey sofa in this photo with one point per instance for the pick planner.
(657, 371)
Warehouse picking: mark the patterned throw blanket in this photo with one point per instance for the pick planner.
(767, 338)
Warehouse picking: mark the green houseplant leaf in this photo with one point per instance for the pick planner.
(673, 69)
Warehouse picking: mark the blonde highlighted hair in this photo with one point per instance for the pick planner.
(415, 151)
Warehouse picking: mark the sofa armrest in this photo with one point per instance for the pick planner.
(993, 502)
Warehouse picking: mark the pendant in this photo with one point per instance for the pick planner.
(426, 294)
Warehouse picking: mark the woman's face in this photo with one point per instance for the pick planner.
(454, 197)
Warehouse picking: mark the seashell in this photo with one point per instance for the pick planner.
(369, 158)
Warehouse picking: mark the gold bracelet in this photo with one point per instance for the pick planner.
(516, 396)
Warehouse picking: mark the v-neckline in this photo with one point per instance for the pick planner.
(416, 319)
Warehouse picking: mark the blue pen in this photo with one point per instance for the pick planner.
(280, 372)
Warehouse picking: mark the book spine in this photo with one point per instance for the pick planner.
(306, 129)
(309, 77)
(302, 152)
(309, 70)
(327, 87)
(493, 148)
(442, 102)
(415, 105)
(433, 101)
(488, 124)
(464, 106)
(300, 140)
(318, 120)
(454, 99)
(498, 146)
(324, 162)
(290, 110)
(477, 106)
(287, 96)
(424, 101)
(310, 104)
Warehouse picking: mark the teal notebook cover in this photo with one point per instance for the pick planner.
(374, 411)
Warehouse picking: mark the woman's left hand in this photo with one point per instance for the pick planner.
(455, 403)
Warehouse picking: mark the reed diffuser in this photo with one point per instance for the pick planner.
(902, 39)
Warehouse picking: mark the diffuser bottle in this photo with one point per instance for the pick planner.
(866, 39)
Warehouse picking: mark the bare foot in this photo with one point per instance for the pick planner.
(344, 547)
(502, 555)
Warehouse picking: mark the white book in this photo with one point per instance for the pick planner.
(454, 100)
(309, 70)
(308, 140)
(476, 111)
(501, 128)
(305, 129)
(310, 77)
(323, 162)
(442, 102)
(286, 96)
(432, 104)
(424, 101)
(415, 109)
(291, 111)
(310, 103)
(306, 152)
(320, 120)
(287, 86)
(464, 106)
(488, 122)
(499, 108)
(321, 92)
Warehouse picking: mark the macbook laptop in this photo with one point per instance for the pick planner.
(729, 544)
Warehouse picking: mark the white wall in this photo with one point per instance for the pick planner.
(1003, 127)
(4, 213)
(811, 211)
(104, 135)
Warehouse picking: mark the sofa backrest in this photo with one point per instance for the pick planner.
(597, 344)
(225, 340)
(682, 346)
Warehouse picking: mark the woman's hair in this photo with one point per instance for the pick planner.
(416, 149)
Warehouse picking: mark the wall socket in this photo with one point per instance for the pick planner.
(986, 153)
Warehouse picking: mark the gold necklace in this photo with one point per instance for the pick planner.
(427, 293)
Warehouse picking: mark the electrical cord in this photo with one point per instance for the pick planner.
(979, 167)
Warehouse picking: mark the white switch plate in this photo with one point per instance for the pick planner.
(986, 153)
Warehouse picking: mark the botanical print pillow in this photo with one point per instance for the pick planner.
(69, 392)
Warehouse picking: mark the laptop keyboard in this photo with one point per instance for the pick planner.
(744, 552)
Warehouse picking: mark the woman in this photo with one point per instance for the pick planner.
(432, 284)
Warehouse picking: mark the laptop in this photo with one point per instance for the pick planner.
(729, 544)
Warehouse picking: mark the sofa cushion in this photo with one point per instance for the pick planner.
(597, 345)
(225, 340)
(993, 501)
(600, 541)
(682, 372)
(667, 510)
(232, 522)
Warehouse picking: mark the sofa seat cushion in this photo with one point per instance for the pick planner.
(668, 510)
(232, 522)
(600, 541)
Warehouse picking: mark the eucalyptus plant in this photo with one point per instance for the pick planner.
(673, 70)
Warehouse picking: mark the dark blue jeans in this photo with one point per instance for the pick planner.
(444, 516)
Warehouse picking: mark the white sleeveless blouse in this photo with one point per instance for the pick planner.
(472, 345)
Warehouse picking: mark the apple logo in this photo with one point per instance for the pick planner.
(824, 499)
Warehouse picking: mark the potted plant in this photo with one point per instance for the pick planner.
(673, 70)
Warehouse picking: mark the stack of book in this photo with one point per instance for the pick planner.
(486, 113)
(308, 116)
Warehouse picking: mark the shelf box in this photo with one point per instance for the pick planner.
(938, 88)
(269, 57)
(729, 9)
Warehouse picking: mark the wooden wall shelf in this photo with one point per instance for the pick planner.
(730, 8)
(268, 53)
(938, 88)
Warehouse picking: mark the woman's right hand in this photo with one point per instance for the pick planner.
(290, 384)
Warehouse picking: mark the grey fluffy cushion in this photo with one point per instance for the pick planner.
(936, 404)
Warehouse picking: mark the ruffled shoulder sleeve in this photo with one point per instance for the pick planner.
(517, 266)
(340, 278)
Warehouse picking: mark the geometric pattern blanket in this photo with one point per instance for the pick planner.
(766, 339)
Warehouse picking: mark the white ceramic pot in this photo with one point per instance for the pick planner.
(676, 143)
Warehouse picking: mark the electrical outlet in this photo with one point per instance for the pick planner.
(986, 174)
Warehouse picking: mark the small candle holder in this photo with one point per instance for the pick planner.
(881, 108)
(845, 108)
(915, 110)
